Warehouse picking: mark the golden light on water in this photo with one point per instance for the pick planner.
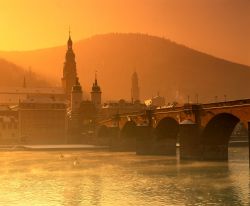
(104, 178)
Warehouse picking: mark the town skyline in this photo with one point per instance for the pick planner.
(115, 54)
(124, 102)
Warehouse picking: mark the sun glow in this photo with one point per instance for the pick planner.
(203, 25)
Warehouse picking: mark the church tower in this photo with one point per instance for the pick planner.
(69, 70)
(96, 94)
(76, 97)
(135, 91)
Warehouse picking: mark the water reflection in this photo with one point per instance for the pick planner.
(102, 178)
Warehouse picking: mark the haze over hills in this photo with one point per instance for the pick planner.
(162, 65)
(12, 75)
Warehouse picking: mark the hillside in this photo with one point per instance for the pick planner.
(12, 75)
(174, 70)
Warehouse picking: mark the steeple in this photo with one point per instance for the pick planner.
(95, 77)
(96, 87)
(69, 69)
(96, 93)
(70, 43)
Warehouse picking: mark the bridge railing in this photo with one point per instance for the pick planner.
(186, 108)
(227, 103)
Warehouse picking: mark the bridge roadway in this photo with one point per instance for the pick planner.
(202, 130)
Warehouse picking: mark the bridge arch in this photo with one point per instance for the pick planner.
(216, 135)
(219, 129)
(129, 130)
(167, 128)
(166, 133)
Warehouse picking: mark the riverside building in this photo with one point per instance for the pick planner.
(42, 121)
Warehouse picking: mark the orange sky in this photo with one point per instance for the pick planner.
(218, 27)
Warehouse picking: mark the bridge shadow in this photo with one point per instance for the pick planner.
(129, 130)
(124, 140)
(105, 135)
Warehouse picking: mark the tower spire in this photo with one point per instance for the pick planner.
(96, 93)
(70, 43)
(69, 69)
(95, 77)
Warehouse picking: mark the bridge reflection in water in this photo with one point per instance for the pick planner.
(113, 178)
(203, 130)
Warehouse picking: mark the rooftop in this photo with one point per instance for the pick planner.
(42, 100)
(29, 90)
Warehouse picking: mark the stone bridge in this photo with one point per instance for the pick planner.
(202, 130)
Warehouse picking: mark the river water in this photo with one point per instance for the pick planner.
(75, 178)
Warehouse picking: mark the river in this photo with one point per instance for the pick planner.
(75, 178)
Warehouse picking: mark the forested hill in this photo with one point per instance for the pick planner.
(162, 65)
(12, 75)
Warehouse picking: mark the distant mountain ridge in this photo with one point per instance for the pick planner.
(163, 66)
(12, 75)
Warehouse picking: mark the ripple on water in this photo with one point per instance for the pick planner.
(102, 178)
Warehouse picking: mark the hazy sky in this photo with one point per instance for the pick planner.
(218, 27)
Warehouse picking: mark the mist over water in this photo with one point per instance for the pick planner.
(77, 178)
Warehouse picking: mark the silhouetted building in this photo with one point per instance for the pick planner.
(135, 91)
(13, 95)
(88, 115)
(69, 70)
(82, 114)
(96, 94)
(42, 120)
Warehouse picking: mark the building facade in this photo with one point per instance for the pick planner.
(13, 95)
(42, 121)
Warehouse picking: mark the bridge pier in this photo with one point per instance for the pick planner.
(191, 146)
(113, 133)
(189, 137)
(144, 140)
(119, 143)
(148, 144)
